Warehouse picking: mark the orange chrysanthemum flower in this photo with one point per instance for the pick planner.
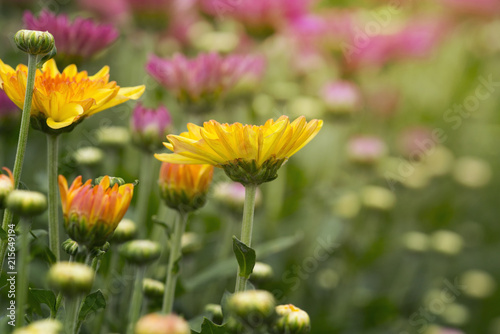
(184, 187)
(92, 213)
(6, 185)
(249, 154)
(62, 100)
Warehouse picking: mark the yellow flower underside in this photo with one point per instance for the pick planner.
(192, 179)
(218, 144)
(64, 98)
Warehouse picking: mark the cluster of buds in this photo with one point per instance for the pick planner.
(184, 187)
(150, 126)
(204, 78)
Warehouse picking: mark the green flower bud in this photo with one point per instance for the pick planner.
(71, 278)
(46, 326)
(141, 252)
(190, 242)
(70, 246)
(262, 272)
(26, 203)
(162, 324)
(99, 251)
(216, 311)
(125, 231)
(113, 136)
(112, 181)
(292, 320)
(88, 156)
(153, 289)
(34, 42)
(252, 307)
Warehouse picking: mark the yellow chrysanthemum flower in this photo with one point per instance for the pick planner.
(62, 100)
(249, 154)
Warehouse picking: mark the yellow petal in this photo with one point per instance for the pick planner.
(178, 159)
(70, 70)
(50, 67)
(101, 74)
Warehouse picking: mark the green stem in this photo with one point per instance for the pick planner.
(21, 145)
(72, 311)
(108, 281)
(175, 254)
(136, 303)
(246, 228)
(23, 281)
(52, 157)
(145, 185)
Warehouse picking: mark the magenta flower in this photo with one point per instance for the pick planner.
(76, 40)
(8, 108)
(341, 97)
(206, 77)
(260, 17)
(149, 127)
(366, 149)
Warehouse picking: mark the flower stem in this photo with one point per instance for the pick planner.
(21, 145)
(23, 283)
(136, 304)
(52, 157)
(175, 254)
(72, 310)
(145, 185)
(246, 228)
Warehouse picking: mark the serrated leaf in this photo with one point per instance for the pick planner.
(208, 327)
(41, 296)
(245, 256)
(92, 303)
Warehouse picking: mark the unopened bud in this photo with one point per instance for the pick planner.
(153, 289)
(88, 156)
(253, 307)
(112, 181)
(71, 278)
(26, 203)
(45, 326)
(70, 246)
(377, 198)
(262, 272)
(34, 42)
(113, 136)
(447, 242)
(162, 324)
(292, 320)
(125, 231)
(216, 311)
(190, 242)
(141, 252)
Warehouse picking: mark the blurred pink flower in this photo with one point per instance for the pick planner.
(149, 127)
(416, 141)
(204, 77)
(110, 10)
(341, 96)
(79, 39)
(260, 17)
(474, 7)
(366, 149)
(7, 107)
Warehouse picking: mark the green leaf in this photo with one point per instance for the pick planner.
(225, 268)
(208, 327)
(245, 257)
(223, 304)
(92, 303)
(3, 234)
(40, 296)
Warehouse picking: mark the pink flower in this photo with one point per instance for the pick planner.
(341, 97)
(79, 39)
(150, 126)
(488, 8)
(258, 16)
(7, 107)
(204, 77)
(366, 149)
